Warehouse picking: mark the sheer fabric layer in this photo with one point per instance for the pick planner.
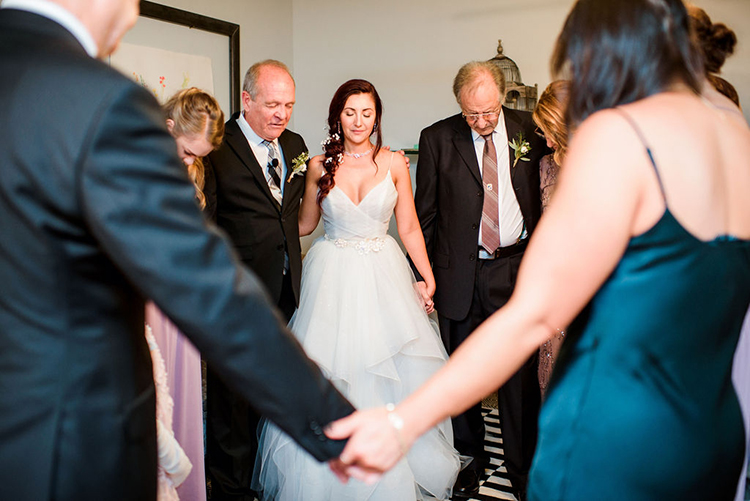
(361, 320)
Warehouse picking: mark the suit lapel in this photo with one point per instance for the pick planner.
(513, 129)
(464, 144)
(289, 154)
(236, 140)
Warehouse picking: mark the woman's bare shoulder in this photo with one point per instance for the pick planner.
(392, 160)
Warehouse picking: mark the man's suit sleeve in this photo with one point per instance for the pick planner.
(425, 196)
(140, 207)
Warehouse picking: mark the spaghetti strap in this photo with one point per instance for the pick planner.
(390, 163)
(642, 138)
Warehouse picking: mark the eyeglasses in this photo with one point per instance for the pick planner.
(473, 117)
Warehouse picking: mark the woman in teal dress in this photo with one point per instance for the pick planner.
(645, 254)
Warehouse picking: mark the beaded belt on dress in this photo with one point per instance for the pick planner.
(362, 246)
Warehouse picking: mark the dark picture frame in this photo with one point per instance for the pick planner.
(197, 21)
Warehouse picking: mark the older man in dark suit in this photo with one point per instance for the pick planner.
(478, 202)
(254, 194)
(97, 214)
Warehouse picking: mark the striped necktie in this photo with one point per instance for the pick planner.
(273, 170)
(490, 223)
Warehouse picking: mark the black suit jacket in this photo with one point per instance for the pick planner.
(98, 214)
(241, 202)
(449, 198)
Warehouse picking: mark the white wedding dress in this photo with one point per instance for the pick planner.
(361, 320)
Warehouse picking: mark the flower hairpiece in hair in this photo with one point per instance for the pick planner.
(330, 138)
(329, 160)
(521, 147)
(299, 165)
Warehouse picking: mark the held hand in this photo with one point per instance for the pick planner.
(426, 294)
(374, 444)
(339, 469)
(344, 472)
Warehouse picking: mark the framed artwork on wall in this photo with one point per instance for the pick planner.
(170, 49)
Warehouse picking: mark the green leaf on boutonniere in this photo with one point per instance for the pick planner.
(521, 148)
(299, 165)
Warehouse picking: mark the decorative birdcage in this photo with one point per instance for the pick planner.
(517, 95)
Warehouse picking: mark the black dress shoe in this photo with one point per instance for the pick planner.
(518, 486)
(520, 494)
(467, 484)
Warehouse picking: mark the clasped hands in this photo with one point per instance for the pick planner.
(426, 294)
(374, 445)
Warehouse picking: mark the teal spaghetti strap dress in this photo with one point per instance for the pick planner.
(641, 404)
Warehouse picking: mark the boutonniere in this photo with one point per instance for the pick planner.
(299, 165)
(521, 147)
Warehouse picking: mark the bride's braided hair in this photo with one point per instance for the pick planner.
(333, 146)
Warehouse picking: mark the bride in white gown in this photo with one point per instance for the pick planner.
(361, 317)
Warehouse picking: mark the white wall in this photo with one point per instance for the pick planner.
(411, 49)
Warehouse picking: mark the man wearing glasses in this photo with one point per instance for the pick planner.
(477, 199)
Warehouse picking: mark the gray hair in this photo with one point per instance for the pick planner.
(468, 76)
(250, 84)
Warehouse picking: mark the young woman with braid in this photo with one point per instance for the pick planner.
(196, 121)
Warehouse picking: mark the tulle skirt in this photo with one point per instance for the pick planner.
(361, 320)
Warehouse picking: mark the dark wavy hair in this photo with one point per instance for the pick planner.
(716, 41)
(724, 87)
(334, 146)
(619, 51)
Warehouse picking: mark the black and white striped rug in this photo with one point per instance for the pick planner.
(494, 484)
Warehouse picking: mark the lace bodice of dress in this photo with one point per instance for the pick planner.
(346, 222)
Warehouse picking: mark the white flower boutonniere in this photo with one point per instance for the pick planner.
(299, 165)
(521, 147)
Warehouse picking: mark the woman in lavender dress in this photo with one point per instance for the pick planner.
(196, 121)
(549, 116)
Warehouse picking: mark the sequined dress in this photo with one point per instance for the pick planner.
(361, 320)
(548, 170)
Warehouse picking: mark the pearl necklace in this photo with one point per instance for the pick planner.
(359, 155)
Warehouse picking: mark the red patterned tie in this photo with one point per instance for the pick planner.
(490, 226)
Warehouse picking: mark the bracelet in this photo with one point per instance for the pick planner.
(398, 424)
